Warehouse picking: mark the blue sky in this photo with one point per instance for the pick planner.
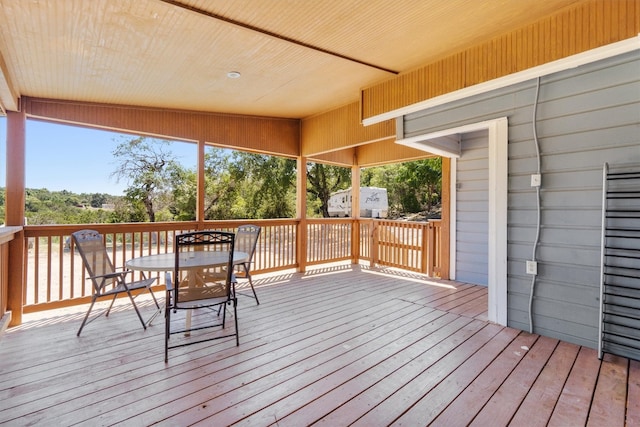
(60, 157)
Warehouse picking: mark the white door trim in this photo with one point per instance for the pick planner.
(498, 189)
(453, 218)
(498, 176)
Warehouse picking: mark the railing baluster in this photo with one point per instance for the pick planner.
(36, 271)
(61, 268)
(72, 275)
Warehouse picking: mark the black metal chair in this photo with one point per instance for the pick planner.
(203, 278)
(246, 240)
(107, 282)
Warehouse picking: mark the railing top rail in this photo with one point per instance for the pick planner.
(131, 227)
(7, 233)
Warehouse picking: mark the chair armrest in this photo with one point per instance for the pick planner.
(109, 275)
(168, 281)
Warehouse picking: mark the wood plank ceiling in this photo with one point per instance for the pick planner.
(296, 58)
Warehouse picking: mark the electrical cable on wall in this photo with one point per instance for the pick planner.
(537, 238)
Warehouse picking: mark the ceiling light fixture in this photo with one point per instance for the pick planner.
(233, 74)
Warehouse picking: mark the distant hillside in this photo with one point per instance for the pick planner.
(64, 207)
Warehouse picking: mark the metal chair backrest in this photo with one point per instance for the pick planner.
(246, 240)
(90, 245)
(203, 267)
(106, 280)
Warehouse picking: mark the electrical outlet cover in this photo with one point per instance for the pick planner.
(536, 179)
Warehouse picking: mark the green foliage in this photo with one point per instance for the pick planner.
(146, 164)
(238, 185)
(322, 181)
(412, 186)
(184, 190)
(221, 190)
(127, 210)
(267, 184)
(62, 207)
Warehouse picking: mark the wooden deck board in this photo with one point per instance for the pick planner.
(507, 399)
(293, 372)
(574, 402)
(353, 388)
(323, 377)
(434, 402)
(193, 384)
(541, 398)
(354, 409)
(633, 397)
(423, 380)
(610, 396)
(338, 345)
(469, 402)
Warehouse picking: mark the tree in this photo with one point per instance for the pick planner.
(412, 186)
(221, 190)
(126, 211)
(265, 185)
(184, 190)
(323, 180)
(98, 199)
(146, 164)
(419, 182)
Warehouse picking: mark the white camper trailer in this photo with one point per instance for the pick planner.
(373, 203)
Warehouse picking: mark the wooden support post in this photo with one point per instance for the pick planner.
(201, 190)
(14, 211)
(355, 212)
(301, 214)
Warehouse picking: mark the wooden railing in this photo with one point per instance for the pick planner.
(413, 246)
(55, 276)
(328, 240)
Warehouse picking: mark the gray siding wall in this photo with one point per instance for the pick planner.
(586, 116)
(472, 221)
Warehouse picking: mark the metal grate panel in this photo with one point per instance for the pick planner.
(620, 282)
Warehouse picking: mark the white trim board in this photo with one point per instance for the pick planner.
(498, 192)
(497, 251)
(567, 63)
(446, 145)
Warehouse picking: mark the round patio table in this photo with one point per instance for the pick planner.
(190, 261)
(195, 260)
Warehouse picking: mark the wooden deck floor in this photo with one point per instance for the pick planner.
(341, 345)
